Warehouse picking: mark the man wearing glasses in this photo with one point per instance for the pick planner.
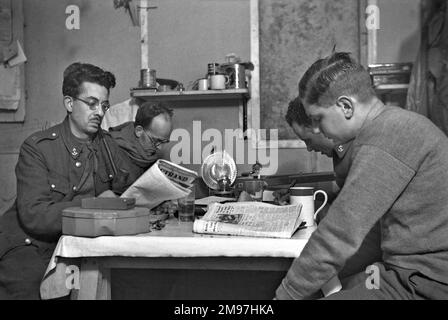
(144, 138)
(58, 167)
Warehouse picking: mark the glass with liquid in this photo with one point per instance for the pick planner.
(186, 207)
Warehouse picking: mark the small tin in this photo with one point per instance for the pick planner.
(148, 78)
(213, 68)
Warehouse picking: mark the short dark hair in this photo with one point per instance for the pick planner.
(77, 73)
(317, 66)
(149, 110)
(296, 113)
(333, 76)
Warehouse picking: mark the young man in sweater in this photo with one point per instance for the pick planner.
(369, 252)
(398, 176)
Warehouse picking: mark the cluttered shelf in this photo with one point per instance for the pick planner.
(391, 81)
(226, 94)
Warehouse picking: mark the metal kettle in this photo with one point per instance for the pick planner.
(237, 73)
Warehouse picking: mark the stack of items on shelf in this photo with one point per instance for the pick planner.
(390, 75)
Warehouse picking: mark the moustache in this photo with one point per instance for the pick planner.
(96, 118)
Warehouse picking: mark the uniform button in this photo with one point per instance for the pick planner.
(111, 176)
(78, 164)
(53, 186)
(74, 188)
(27, 241)
(53, 134)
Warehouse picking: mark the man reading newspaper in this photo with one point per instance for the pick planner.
(163, 181)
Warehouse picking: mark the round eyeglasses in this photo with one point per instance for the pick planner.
(94, 103)
(157, 142)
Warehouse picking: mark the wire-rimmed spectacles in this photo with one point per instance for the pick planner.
(94, 103)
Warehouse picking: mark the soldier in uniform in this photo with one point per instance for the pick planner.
(55, 170)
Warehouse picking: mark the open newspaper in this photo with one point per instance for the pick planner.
(255, 219)
(163, 181)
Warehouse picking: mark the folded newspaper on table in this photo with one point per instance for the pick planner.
(163, 181)
(255, 219)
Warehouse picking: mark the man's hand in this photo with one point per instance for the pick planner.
(108, 194)
(281, 197)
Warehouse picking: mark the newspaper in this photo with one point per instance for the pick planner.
(255, 219)
(163, 181)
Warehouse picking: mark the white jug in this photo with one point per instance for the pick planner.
(306, 196)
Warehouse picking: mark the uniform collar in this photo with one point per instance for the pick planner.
(74, 146)
(341, 149)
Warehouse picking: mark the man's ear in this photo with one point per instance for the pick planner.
(68, 104)
(138, 130)
(347, 106)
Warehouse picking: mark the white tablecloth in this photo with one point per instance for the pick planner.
(175, 240)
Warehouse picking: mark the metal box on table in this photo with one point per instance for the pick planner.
(82, 222)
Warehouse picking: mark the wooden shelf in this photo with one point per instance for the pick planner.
(227, 94)
(391, 87)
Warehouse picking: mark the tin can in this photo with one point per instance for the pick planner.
(148, 78)
(237, 76)
(213, 68)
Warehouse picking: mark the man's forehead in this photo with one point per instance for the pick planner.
(161, 125)
(93, 89)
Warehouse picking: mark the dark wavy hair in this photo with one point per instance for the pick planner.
(333, 76)
(77, 73)
(149, 110)
(296, 113)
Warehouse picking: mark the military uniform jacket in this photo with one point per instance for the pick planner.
(50, 173)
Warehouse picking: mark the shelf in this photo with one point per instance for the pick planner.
(227, 94)
(392, 87)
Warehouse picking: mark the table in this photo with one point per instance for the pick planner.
(173, 247)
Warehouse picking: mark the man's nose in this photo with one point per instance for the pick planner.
(100, 111)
